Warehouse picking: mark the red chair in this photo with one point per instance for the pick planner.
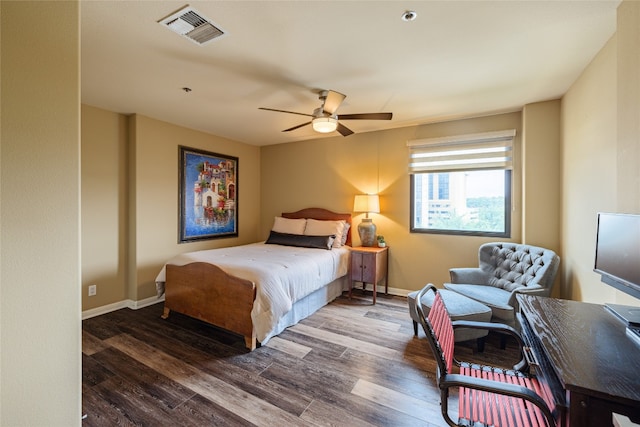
(488, 396)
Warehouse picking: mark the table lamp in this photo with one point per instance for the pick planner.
(367, 229)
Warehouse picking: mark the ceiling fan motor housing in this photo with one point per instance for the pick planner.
(319, 112)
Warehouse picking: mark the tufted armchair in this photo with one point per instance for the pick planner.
(505, 270)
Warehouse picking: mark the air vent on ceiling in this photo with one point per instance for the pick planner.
(191, 24)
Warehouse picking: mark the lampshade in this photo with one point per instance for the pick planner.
(324, 124)
(366, 203)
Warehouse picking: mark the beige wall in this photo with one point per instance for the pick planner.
(329, 172)
(156, 187)
(601, 155)
(541, 174)
(589, 172)
(541, 169)
(130, 201)
(104, 206)
(628, 112)
(40, 214)
(319, 173)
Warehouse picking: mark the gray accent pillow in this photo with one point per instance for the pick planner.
(302, 241)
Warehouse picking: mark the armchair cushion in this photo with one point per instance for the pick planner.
(494, 298)
(459, 308)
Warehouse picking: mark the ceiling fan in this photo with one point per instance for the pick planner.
(326, 120)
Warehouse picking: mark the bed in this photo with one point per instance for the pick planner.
(258, 290)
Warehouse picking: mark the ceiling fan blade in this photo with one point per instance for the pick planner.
(284, 111)
(332, 102)
(296, 127)
(366, 116)
(344, 131)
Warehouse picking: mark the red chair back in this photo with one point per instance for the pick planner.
(442, 329)
(438, 329)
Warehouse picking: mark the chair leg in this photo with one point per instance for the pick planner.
(415, 328)
(480, 343)
(503, 341)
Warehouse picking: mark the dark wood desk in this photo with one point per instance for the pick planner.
(586, 356)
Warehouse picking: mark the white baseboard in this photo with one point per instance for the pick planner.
(133, 305)
(380, 288)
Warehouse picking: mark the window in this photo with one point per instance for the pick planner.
(443, 186)
(462, 185)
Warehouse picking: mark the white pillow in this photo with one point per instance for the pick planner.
(325, 228)
(289, 226)
(345, 233)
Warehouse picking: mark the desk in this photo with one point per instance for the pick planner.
(585, 357)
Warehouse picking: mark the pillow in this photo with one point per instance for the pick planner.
(301, 241)
(289, 226)
(326, 228)
(345, 233)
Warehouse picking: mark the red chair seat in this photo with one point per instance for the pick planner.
(493, 409)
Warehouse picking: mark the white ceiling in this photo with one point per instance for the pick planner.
(456, 59)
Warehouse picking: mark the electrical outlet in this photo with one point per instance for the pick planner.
(92, 290)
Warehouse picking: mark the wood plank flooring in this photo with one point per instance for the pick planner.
(349, 364)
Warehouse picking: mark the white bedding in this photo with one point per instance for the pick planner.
(282, 275)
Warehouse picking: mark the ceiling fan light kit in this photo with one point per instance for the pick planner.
(324, 124)
(325, 119)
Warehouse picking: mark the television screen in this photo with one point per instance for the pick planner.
(618, 251)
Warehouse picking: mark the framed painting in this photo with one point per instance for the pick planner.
(208, 195)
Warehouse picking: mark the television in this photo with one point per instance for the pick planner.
(618, 258)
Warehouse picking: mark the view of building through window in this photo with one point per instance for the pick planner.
(476, 201)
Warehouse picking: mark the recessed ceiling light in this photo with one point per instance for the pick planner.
(409, 15)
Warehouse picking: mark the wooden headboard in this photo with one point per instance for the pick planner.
(322, 215)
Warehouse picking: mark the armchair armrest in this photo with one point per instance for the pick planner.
(472, 276)
(535, 290)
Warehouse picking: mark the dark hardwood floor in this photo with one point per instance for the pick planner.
(349, 364)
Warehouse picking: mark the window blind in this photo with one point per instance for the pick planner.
(488, 150)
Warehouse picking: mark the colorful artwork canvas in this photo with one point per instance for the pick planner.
(208, 195)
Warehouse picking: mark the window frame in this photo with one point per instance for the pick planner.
(508, 178)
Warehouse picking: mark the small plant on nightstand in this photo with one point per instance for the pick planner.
(381, 242)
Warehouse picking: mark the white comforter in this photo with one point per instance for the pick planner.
(282, 275)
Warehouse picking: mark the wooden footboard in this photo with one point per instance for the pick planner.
(205, 292)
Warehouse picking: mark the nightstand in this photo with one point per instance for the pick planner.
(369, 265)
